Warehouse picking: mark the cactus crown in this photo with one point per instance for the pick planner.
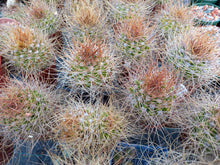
(133, 28)
(158, 82)
(179, 13)
(87, 15)
(200, 44)
(89, 52)
(89, 63)
(37, 10)
(174, 18)
(22, 37)
(27, 49)
(100, 123)
(135, 37)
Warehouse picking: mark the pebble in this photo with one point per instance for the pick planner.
(206, 13)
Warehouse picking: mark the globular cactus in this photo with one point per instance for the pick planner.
(85, 18)
(152, 94)
(195, 54)
(38, 14)
(97, 126)
(26, 108)
(135, 38)
(153, 91)
(90, 65)
(26, 49)
(174, 19)
(44, 16)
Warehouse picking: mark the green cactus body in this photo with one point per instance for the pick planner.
(49, 23)
(93, 33)
(145, 103)
(90, 75)
(33, 102)
(207, 130)
(190, 67)
(33, 57)
(124, 10)
(169, 25)
(132, 49)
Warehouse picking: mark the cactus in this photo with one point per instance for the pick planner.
(89, 65)
(38, 14)
(96, 126)
(152, 92)
(26, 108)
(122, 10)
(43, 16)
(206, 123)
(174, 18)
(27, 49)
(135, 38)
(194, 53)
(85, 18)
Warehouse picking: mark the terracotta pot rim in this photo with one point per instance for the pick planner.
(4, 21)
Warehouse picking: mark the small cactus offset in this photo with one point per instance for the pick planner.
(26, 108)
(135, 38)
(26, 49)
(89, 65)
(153, 91)
(195, 54)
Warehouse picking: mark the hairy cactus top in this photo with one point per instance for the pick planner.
(26, 107)
(27, 49)
(89, 64)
